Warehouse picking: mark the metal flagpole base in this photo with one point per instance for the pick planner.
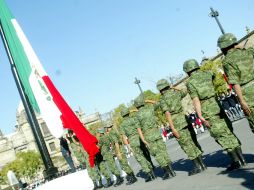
(50, 173)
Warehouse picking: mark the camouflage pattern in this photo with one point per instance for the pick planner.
(128, 128)
(139, 101)
(200, 85)
(148, 125)
(125, 112)
(104, 145)
(161, 84)
(190, 65)
(239, 68)
(115, 138)
(226, 40)
(93, 172)
(78, 152)
(171, 101)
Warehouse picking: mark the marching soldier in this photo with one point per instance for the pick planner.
(238, 65)
(201, 90)
(128, 128)
(151, 137)
(104, 145)
(170, 104)
(118, 148)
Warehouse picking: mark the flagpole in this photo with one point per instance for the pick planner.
(50, 170)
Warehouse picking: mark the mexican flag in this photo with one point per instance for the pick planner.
(41, 92)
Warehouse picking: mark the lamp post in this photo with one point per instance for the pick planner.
(215, 14)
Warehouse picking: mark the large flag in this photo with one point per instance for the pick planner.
(41, 92)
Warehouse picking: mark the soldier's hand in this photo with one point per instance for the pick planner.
(246, 108)
(147, 144)
(205, 122)
(175, 133)
(119, 156)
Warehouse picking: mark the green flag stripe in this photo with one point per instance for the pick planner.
(17, 52)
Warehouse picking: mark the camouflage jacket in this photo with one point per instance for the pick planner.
(148, 123)
(129, 128)
(200, 84)
(171, 101)
(239, 66)
(105, 144)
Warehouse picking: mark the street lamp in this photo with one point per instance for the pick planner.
(215, 14)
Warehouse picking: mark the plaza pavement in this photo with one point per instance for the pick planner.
(214, 178)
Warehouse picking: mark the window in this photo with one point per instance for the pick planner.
(45, 129)
(52, 146)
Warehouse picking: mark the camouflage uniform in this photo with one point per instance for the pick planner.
(148, 124)
(83, 160)
(104, 145)
(171, 101)
(200, 85)
(239, 68)
(116, 139)
(128, 128)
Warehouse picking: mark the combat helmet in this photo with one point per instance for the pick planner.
(125, 112)
(139, 101)
(101, 130)
(109, 124)
(190, 65)
(161, 84)
(226, 40)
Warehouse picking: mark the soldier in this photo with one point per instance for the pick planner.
(83, 159)
(151, 137)
(238, 65)
(201, 89)
(170, 103)
(104, 145)
(128, 128)
(118, 148)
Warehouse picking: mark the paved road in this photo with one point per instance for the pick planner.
(214, 178)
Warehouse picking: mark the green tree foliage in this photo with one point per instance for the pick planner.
(116, 116)
(219, 82)
(26, 165)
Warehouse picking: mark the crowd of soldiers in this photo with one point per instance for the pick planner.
(138, 130)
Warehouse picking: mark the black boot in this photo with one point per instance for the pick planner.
(132, 179)
(196, 167)
(148, 177)
(235, 164)
(95, 185)
(119, 181)
(109, 183)
(100, 184)
(171, 171)
(240, 156)
(167, 174)
(201, 163)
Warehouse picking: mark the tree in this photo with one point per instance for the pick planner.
(116, 116)
(26, 165)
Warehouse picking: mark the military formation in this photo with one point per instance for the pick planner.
(138, 130)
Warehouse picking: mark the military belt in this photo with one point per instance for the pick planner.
(206, 99)
(247, 84)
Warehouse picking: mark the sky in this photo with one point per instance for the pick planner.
(94, 49)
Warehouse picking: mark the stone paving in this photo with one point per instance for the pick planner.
(214, 178)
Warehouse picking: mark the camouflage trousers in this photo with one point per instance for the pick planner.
(104, 170)
(187, 144)
(124, 162)
(248, 94)
(139, 156)
(220, 131)
(158, 149)
(109, 159)
(93, 172)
